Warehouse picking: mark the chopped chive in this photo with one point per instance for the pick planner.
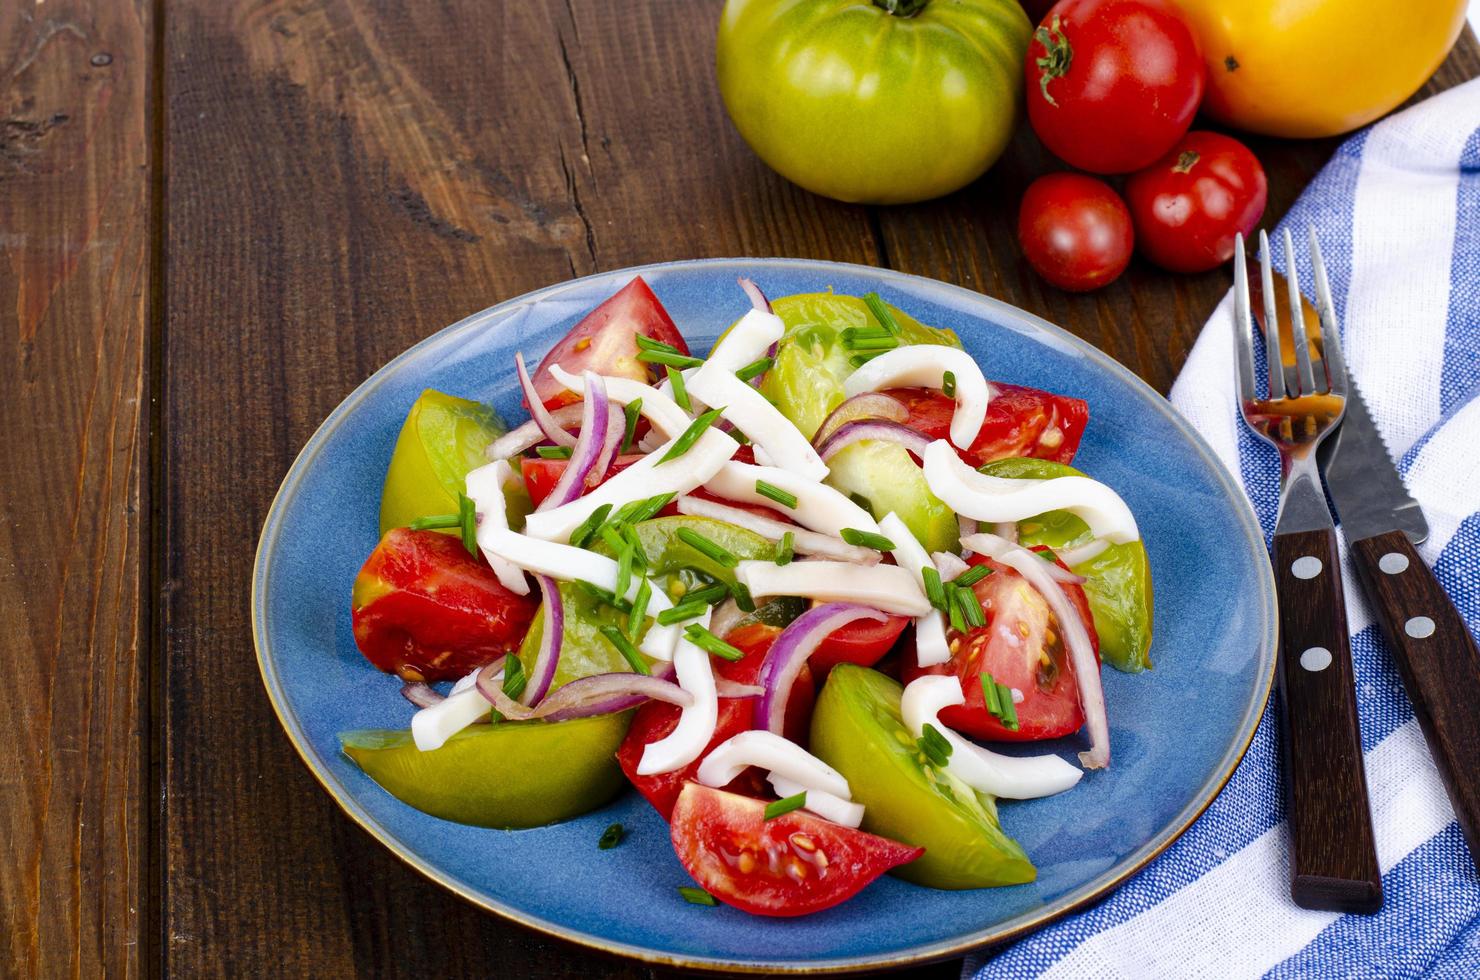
(468, 522)
(874, 343)
(436, 522)
(668, 358)
(585, 530)
(611, 837)
(948, 384)
(867, 539)
(697, 896)
(688, 609)
(953, 610)
(776, 808)
(863, 333)
(644, 342)
(611, 533)
(637, 511)
(934, 744)
(989, 696)
(742, 597)
(862, 501)
(859, 360)
(709, 643)
(709, 595)
(755, 369)
(553, 452)
(740, 437)
(638, 554)
(626, 649)
(633, 412)
(680, 393)
(881, 312)
(514, 679)
(691, 435)
(973, 575)
(786, 549)
(971, 607)
(706, 547)
(772, 492)
(602, 595)
(1009, 707)
(1047, 554)
(639, 611)
(934, 590)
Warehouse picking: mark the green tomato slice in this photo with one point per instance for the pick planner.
(857, 729)
(507, 775)
(1117, 581)
(441, 441)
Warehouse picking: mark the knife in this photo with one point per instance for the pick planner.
(1434, 650)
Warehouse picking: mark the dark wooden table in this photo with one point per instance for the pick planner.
(215, 220)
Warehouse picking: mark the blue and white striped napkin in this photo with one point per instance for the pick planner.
(1398, 213)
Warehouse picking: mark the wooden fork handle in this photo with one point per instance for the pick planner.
(1438, 661)
(1333, 861)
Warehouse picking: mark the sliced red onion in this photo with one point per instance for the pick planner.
(598, 694)
(1083, 553)
(548, 658)
(421, 694)
(515, 441)
(950, 566)
(1060, 574)
(790, 652)
(757, 298)
(869, 405)
(726, 688)
(724, 617)
(596, 442)
(805, 541)
(537, 410)
(884, 431)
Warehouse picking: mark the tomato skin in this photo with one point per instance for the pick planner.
(425, 609)
(1132, 83)
(852, 102)
(602, 342)
(863, 642)
(656, 719)
(541, 475)
(1188, 206)
(1075, 231)
(1020, 421)
(1047, 711)
(730, 849)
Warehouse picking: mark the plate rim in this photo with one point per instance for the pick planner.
(960, 945)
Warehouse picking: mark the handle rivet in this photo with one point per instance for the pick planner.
(1308, 566)
(1393, 563)
(1419, 627)
(1316, 658)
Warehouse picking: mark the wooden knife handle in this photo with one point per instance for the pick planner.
(1333, 861)
(1440, 666)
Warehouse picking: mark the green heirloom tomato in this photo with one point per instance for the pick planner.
(442, 440)
(857, 729)
(674, 565)
(512, 774)
(880, 103)
(1117, 581)
(807, 383)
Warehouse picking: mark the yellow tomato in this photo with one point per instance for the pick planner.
(1306, 68)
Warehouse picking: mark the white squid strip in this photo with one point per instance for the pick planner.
(819, 506)
(432, 727)
(925, 365)
(775, 754)
(696, 724)
(930, 629)
(887, 587)
(485, 488)
(823, 804)
(761, 421)
(663, 412)
(804, 542)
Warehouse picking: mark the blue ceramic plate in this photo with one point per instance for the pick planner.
(1177, 731)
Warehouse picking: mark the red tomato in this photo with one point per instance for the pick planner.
(603, 343)
(1021, 646)
(1112, 84)
(863, 642)
(656, 719)
(1075, 231)
(1020, 422)
(541, 475)
(1189, 204)
(793, 864)
(427, 610)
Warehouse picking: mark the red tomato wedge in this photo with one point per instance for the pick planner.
(541, 475)
(1021, 646)
(602, 342)
(863, 642)
(655, 720)
(793, 864)
(1020, 422)
(427, 610)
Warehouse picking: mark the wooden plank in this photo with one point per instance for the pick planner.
(75, 277)
(344, 180)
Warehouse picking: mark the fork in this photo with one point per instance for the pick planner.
(1333, 862)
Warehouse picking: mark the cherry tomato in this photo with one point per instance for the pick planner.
(863, 642)
(656, 719)
(427, 610)
(603, 343)
(1021, 646)
(1075, 231)
(541, 475)
(1112, 84)
(1020, 422)
(1189, 204)
(793, 864)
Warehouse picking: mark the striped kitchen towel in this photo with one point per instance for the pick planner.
(1398, 214)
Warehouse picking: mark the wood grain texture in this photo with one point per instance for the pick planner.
(74, 302)
(1439, 663)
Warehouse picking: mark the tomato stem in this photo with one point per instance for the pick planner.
(902, 8)
(1185, 161)
(1058, 55)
